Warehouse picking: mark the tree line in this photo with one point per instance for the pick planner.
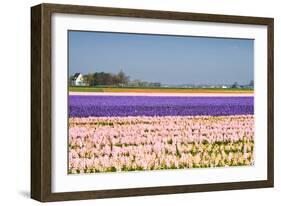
(236, 85)
(121, 79)
(104, 78)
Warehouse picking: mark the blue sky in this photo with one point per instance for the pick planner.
(163, 58)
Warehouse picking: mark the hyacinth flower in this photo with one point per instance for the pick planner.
(109, 144)
(125, 106)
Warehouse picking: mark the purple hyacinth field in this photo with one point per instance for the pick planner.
(110, 106)
(113, 133)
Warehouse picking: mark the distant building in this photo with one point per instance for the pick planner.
(77, 80)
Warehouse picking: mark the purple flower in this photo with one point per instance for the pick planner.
(108, 106)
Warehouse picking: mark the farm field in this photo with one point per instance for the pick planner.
(159, 90)
(116, 106)
(112, 133)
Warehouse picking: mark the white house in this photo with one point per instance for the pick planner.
(77, 80)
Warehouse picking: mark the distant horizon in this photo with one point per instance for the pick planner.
(176, 84)
(169, 60)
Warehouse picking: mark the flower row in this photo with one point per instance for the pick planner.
(111, 106)
(103, 144)
(160, 130)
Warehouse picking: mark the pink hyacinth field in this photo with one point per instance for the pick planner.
(116, 133)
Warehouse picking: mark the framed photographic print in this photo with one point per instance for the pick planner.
(130, 102)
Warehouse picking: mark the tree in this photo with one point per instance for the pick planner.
(97, 78)
(251, 83)
(235, 85)
(122, 78)
(104, 78)
(70, 79)
(89, 79)
(107, 79)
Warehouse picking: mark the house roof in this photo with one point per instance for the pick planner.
(76, 75)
